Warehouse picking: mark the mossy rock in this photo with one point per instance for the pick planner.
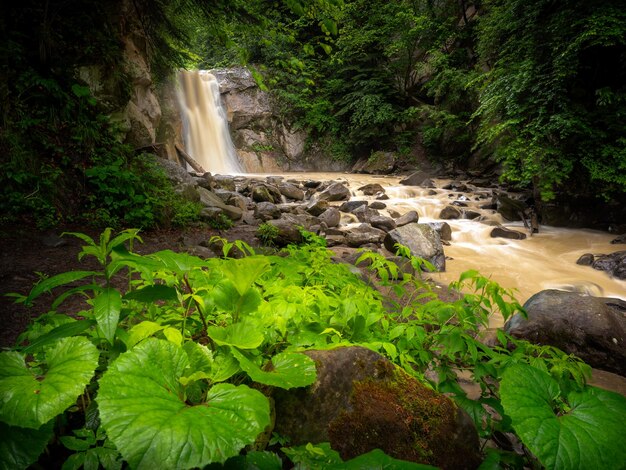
(361, 402)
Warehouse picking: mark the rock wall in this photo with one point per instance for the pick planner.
(265, 143)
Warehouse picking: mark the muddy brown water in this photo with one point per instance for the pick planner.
(546, 260)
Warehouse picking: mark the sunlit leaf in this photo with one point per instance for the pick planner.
(145, 415)
(29, 398)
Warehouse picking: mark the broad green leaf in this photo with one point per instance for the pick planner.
(173, 335)
(588, 433)
(377, 459)
(29, 399)
(224, 367)
(204, 364)
(56, 281)
(141, 331)
(144, 414)
(244, 272)
(152, 293)
(63, 331)
(286, 370)
(21, 447)
(107, 306)
(179, 263)
(243, 335)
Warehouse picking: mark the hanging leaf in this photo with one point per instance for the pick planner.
(287, 370)
(152, 293)
(243, 335)
(30, 399)
(21, 447)
(143, 410)
(73, 328)
(56, 281)
(587, 432)
(107, 306)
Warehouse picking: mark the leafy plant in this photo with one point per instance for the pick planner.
(175, 369)
(267, 233)
(220, 222)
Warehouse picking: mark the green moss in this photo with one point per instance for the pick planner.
(397, 414)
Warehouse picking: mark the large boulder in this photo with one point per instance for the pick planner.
(335, 192)
(361, 401)
(614, 264)
(372, 189)
(364, 234)
(511, 209)
(422, 240)
(365, 214)
(379, 163)
(592, 328)
(408, 218)
(503, 232)
(212, 200)
(416, 179)
(450, 212)
(331, 217)
(291, 191)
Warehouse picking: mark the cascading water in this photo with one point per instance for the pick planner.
(206, 134)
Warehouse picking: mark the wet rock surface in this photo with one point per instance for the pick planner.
(592, 328)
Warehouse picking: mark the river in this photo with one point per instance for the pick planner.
(546, 260)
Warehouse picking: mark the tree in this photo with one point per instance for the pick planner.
(552, 100)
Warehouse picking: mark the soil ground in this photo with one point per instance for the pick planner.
(27, 254)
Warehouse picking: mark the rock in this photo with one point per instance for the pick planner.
(371, 189)
(188, 192)
(335, 240)
(382, 197)
(266, 211)
(592, 328)
(365, 214)
(331, 217)
(471, 215)
(585, 260)
(382, 222)
(291, 191)
(316, 208)
(174, 172)
(361, 401)
(510, 208)
(379, 163)
(210, 199)
(288, 232)
(349, 206)
(443, 229)
(503, 232)
(363, 235)
(263, 193)
(232, 198)
(224, 182)
(335, 192)
(415, 179)
(428, 183)
(408, 218)
(422, 240)
(614, 264)
(450, 212)
(620, 239)
(378, 205)
(311, 183)
(292, 142)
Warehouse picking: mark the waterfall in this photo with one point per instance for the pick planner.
(206, 134)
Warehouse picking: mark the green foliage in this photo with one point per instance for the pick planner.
(174, 369)
(267, 233)
(220, 222)
(564, 428)
(550, 103)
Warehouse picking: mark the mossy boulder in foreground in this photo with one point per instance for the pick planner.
(361, 402)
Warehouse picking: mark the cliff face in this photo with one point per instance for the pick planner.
(265, 143)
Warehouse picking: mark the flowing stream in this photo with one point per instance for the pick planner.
(547, 260)
(206, 134)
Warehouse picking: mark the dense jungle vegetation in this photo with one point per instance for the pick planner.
(537, 86)
(173, 361)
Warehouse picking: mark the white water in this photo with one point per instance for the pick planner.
(547, 260)
(206, 134)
